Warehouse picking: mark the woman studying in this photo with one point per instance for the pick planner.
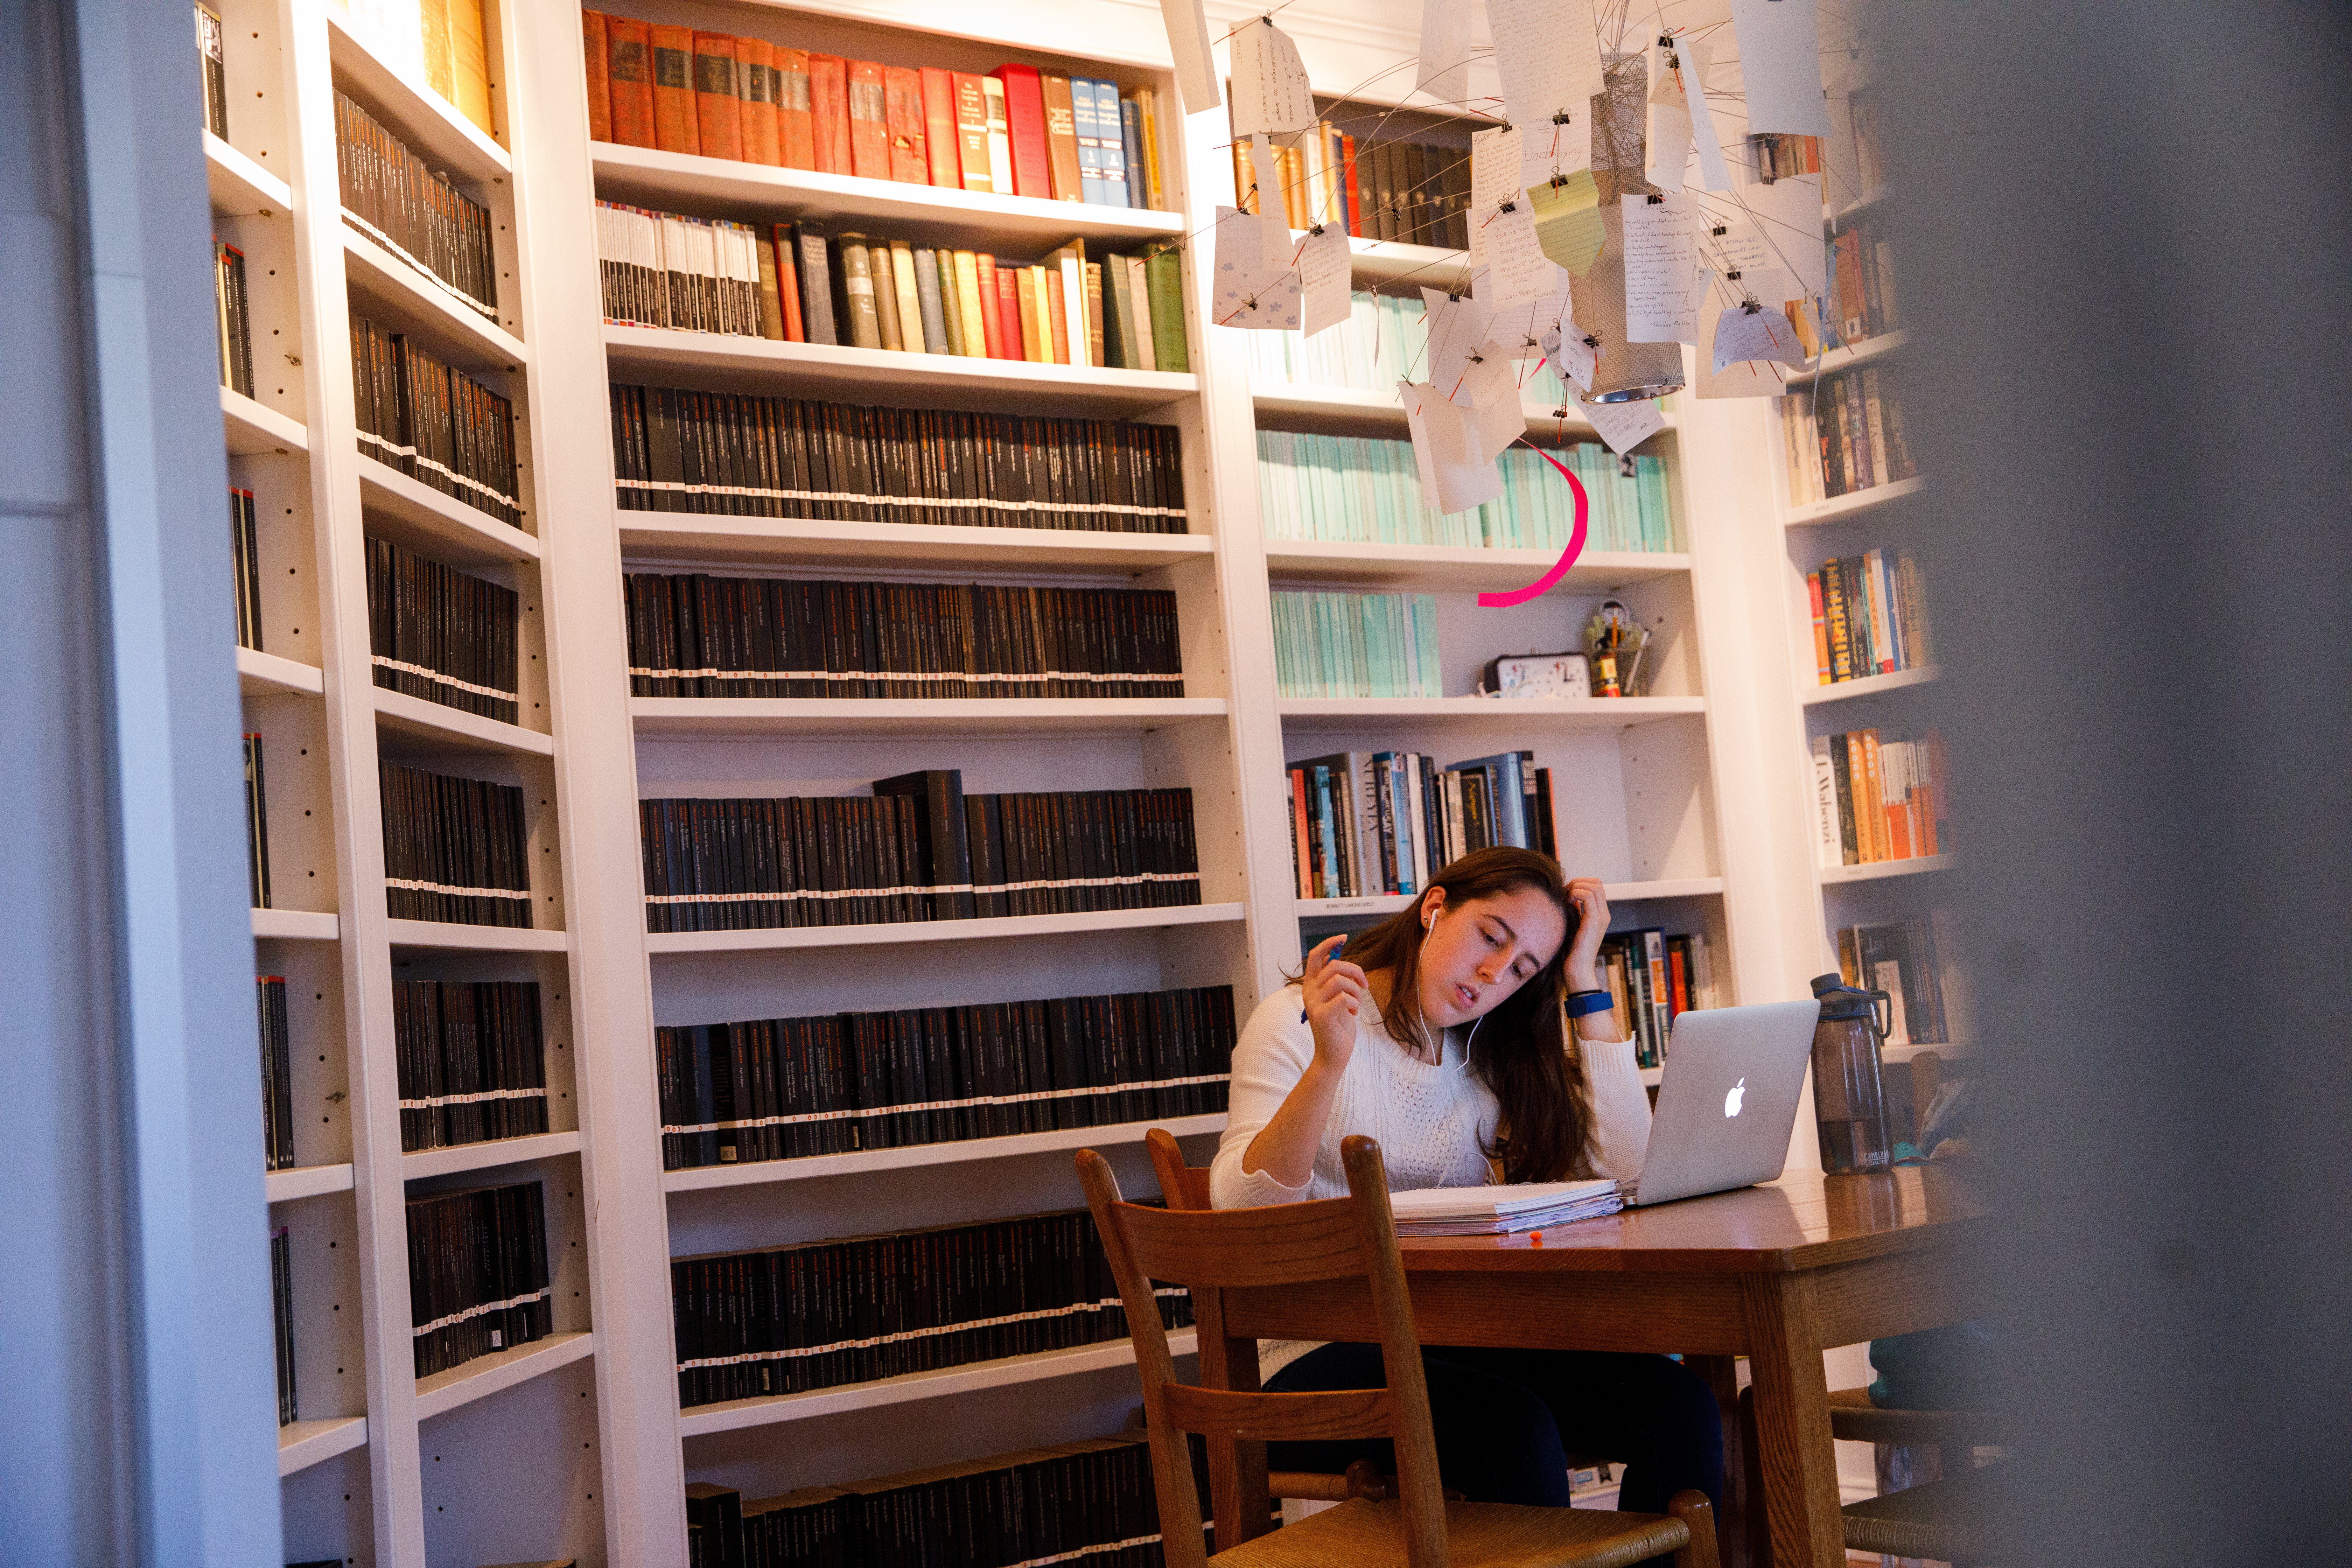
(1439, 1034)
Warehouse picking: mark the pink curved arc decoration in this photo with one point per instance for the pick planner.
(1567, 557)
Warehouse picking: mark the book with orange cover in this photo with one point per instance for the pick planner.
(1062, 140)
(1355, 200)
(1892, 758)
(674, 127)
(788, 280)
(795, 125)
(1056, 303)
(939, 128)
(869, 121)
(1822, 672)
(596, 49)
(1013, 310)
(761, 133)
(1094, 286)
(991, 307)
(1037, 346)
(971, 132)
(718, 103)
(1025, 118)
(902, 112)
(829, 112)
(1873, 804)
(628, 45)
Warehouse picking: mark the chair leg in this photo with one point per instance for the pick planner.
(1757, 1530)
(1693, 1509)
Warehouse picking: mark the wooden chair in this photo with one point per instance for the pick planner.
(1293, 1244)
(1950, 1521)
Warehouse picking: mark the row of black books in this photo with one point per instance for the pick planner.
(919, 849)
(232, 317)
(471, 1060)
(702, 636)
(777, 1089)
(413, 210)
(1846, 433)
(740, 456)
(1653, 979)
(455, 849)
(782, 1320)
(478, 1279)
(245, 551)
(441, 634)
(281, 1321)
(276, 1074)
(257, 824)
(438, 425)
(1089, 1503)
(1366, 823)
(1915, 960)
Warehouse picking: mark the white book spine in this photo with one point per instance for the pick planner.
(1830, 847)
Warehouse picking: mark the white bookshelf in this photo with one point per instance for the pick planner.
(576, 1446)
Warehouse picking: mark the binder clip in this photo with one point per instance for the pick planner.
(1656, 200)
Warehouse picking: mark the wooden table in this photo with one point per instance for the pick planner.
(1776, 1273)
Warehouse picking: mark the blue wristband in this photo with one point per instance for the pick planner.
(1582, 1003)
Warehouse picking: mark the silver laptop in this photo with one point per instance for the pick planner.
(1728, 1099)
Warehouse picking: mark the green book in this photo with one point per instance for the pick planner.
(950, 311)
(857, 293)
(1165, 279)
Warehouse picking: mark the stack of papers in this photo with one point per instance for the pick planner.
(1501, 1211)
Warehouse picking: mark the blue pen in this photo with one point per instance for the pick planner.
(1335, 952)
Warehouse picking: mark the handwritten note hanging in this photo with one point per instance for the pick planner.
(1456, 328)
(1251, 289)
(1625, 426)
(1445, 71)
(1550, 60)
(1323, 278)
(1567, 219)
(1270, 89)
(1661, 250)
(1519, 272)
(1758, 333)
(1781, 66)
(1666, 138)
(1492, 384)
(1187, 46)
(1494, 180)
(1713, 173)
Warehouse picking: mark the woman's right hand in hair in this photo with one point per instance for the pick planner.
(1336, 992)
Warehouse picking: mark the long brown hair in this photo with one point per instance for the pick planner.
(1524, 1059)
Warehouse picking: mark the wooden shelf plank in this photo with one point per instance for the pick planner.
(444, 526)
(474, 939)
(952, 1152)
(1844, 509)
(239, 187)
(1871, 685)
(427, 308)
(1449, 568)
(296, 925)
(1345, 408)
(262, 674)
(435, 727)
(962, 219)
(429, 123)
(253, 431)
(1876, 869)
(894, 934)
(486, 1375)
(1616, 892)
(1331, 715)
(880, 716)
(808, 541)
(1863, 353)
(489, 1153)
(305, 1182)
(302, 1443)
(938, 381)
(736, 1415)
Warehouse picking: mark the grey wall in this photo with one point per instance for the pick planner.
(2125, 241)
(136, 1405)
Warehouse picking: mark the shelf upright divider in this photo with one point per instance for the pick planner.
(354, 799)
(625, 1219)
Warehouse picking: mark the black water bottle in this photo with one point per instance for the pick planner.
(1849, 1079)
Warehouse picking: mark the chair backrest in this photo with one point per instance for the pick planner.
(1926, 1076)
(1181, 1186)
(1283, 1244)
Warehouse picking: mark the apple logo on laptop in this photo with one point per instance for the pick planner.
(1731, 1100)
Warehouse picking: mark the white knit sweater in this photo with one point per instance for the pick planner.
(1433, 1122)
